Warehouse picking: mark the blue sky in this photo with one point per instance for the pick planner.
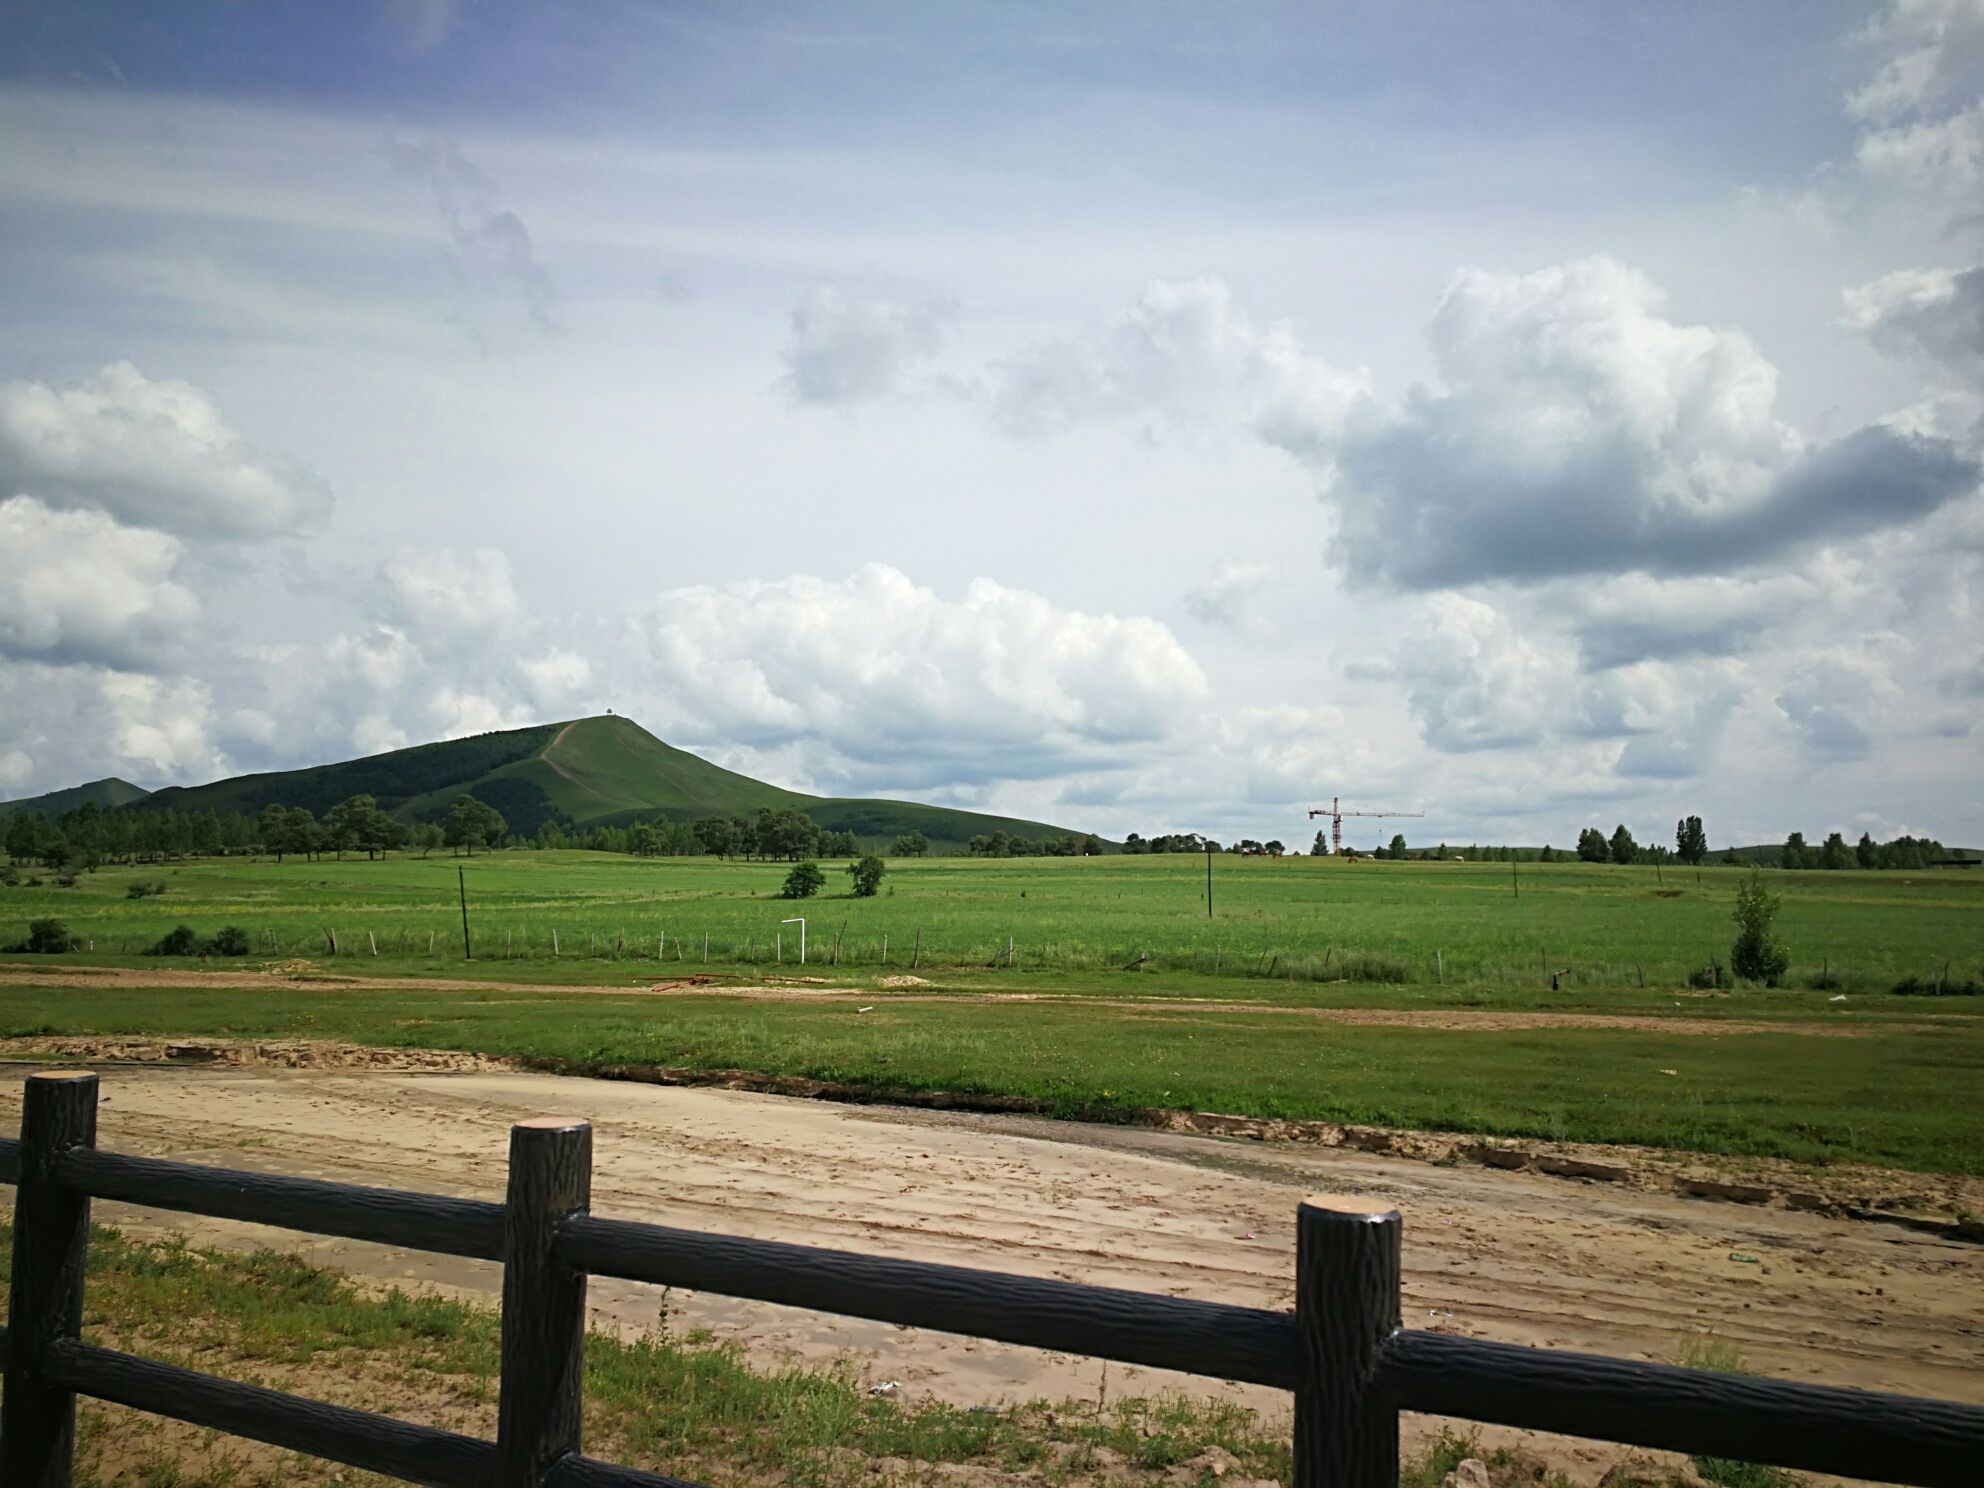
(1139, 416)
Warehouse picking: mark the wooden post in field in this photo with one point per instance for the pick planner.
(51, 1244)
(916, 959)
(430, 942)
(331, 939)
(539, 1399)
(554, 940)
(1439, 969)
(461, 880)
(373, 941)
(706, 948)
(1215, 960)
(1346, 1308)
(885, 950)
(1009, 953)
(778, 947)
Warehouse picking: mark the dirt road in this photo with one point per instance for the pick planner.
(1512, 1256)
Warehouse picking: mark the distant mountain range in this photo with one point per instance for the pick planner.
(604, 771)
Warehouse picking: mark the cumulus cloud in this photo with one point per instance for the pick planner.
(1576, 429)
(884, 681)
(1924, 107)
(1184, 354)
(78, 587)
(151, 453)
(162, 725)
(488, 243)
(16, 769)
(1932, 314)
(1472, 680)
(447, 594)
(845, 350)
(558, 679)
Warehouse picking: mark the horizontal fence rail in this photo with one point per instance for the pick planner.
(1342, 1352)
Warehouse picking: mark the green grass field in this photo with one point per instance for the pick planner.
(1172, 1033)
(1305, 920)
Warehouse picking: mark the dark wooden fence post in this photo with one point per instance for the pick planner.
(1346, 1306)
(51, 1250)
(540, 1398)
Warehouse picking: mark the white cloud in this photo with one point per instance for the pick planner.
(16, 769)
(1473, 681)
(446, 594)
(1633, 617)
(883, 681)
(1231, 597)
(76, 586)
(1183, 355)
(1924, 106)
(1933, 314)
(456, 713)
(151, 453)
(845, 350)
(1830, 703)
(1576, 429)
(557, 679)
(162, 725)
(488, 244)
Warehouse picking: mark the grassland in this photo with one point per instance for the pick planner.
(1096, 1040)
(1305, 920)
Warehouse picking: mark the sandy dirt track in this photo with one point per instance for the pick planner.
(1511, 1256)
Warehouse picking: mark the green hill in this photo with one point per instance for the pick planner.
(110, 792)
(606, 770)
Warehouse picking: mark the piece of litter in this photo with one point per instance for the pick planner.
(869, 1009)
(1837, 997)
(1670, 1072)
(1248, 1236)
(886, 1387)
(1743, 1256)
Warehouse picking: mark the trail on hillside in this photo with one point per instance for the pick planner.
(1509, 1256)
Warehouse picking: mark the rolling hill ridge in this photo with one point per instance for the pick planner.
(588, 771)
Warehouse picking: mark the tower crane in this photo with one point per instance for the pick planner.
(1335, 812)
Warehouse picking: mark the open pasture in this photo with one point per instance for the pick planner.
(1293, 928)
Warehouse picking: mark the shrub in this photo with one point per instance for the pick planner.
(1362, 966)
(9, 875)
(1706, 976)
(867, 875)
(178, 941)
(229, 940)
(65, 880)
(1757, 955)
(48, 937)
(803, 882)
(139, 889)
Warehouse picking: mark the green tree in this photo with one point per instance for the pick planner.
(1865, 853)
(1398, 844)
(1757, 954)
(867, 875)
(470, 822)
(1592, 847)
(1690, 841)
(910, 845)
(426, 836)
(803, 882)
(1795, 853)
(1548, 855)
(1834, 853)
(1622, 847)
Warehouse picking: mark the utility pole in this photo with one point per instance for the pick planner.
(461, 881)
(1208, 882)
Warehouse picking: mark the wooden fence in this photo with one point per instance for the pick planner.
(1342, 1352)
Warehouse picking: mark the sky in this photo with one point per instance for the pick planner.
(1142, 417)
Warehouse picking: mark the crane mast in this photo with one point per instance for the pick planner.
(1335, 812)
